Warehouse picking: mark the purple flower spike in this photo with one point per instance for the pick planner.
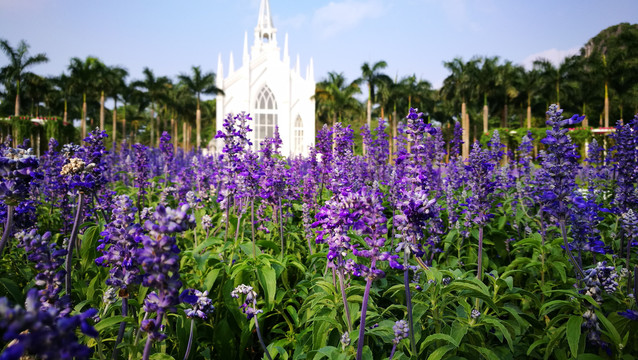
(249, 306)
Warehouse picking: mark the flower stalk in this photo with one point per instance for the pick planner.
(7, 228)
(72, 240)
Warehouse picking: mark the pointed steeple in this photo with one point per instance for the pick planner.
(311, 73)
(297, 68)
(245, 59)
(219, 77)
(265, 31)
(231, 64)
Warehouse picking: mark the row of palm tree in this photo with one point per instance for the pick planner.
(601, 81)
(485, 89)
(89, 82)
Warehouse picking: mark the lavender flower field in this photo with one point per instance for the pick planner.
(525, 252)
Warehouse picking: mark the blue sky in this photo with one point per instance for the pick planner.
(412, 36)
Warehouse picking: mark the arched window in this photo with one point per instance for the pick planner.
(298, 136)
(265, 116)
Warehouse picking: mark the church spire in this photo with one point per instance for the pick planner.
(265, 31)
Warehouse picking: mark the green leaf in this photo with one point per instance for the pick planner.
(210, 279)
(611, 329)
(89, 245)
(458, 331)
(440, 352)
(268, 280)
(438, 337)
(161, 356)
(573, 333)
(325, 352)
(111, 321)
(9, 287)
(589, 357)
(497, 324)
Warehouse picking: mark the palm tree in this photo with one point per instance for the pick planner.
(485, 83)
(83, 75)
(505, 80)
(527, 84)
(372, 77)
(19, 61)
(458, 86)
(155, 90)
(114, 84)
(36, 89)
(63, 85)
(199, 84)
(335, 97)
(555, 76)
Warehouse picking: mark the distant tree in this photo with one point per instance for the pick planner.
(114, 85)
(527, 83)
(155, 90)
(372, 76)
(486, 83)
(83, 75)
(505, 81)
(19, 62)
(199, 83)
(335, 96)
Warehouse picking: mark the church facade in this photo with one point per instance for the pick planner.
(270, 90)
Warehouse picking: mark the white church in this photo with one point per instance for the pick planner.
(266, 87)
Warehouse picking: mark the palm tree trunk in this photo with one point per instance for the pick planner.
(485, 127)
(529, 112)
(198, 125)
(152, 126)
(83, 116)
(465, 123)
(184, 135)
(17, 107)
(174, 132)
(606, 105)
(369, 114)
(395, 124)
(102, 110)
(114, 122)
(157, 131)
(65, 113)
(505, 116)
(585, 120)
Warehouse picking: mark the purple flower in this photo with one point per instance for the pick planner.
(600, 278)
(401, 331)
(48, 258)
(17, 168)
(629, 314)
(42, 332)
(201, 304)
(559, 167)
(249, 306)
(120, 244)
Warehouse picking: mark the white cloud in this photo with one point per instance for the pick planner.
(340, 16)
(294, 22)
(555, 56)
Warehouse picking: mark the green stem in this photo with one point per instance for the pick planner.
(72, 240)
(345, 299)
(261, 340)
(7, 228)
(479, 273)
(364, 310)
(408, 302)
